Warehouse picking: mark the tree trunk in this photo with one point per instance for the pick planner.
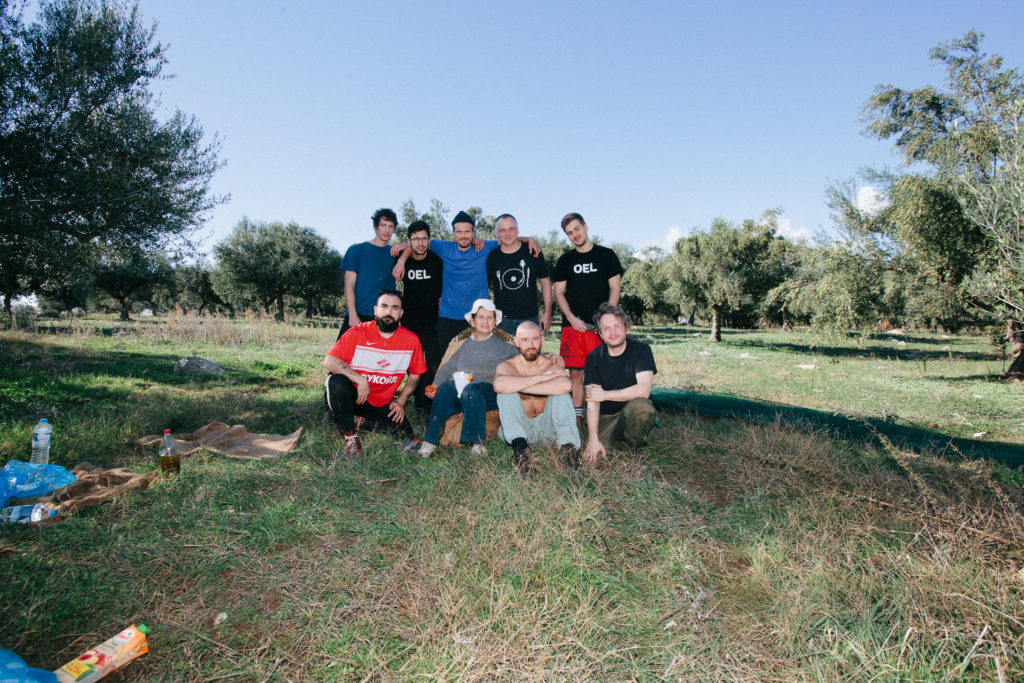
(309, 308)
(126, 309)
(692, 320)
(1015, 335)
(7, 305)
(716, 323)
(787, 324)
(279, 316)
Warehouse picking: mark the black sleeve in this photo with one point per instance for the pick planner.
(591, 371)
(561, 273)
(614, 267)
(645, 359)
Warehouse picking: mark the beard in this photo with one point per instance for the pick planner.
(530, 355)
(386, 324)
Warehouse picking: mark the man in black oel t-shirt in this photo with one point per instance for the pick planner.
(513, 274)
(422, 294)
(585, 277)
(618, 377)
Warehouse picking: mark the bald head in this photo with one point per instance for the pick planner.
(529, 339)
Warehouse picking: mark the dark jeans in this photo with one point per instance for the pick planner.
(345, 326)
(340, 396)
(426, 330)
(477, 399)
(447, 328)
(510, 324)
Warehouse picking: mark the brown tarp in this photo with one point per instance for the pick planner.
(94, 485)
(234, 442)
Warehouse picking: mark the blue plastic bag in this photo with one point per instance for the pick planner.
(21, 480)
(13, 669)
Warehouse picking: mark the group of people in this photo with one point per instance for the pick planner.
(462, 350)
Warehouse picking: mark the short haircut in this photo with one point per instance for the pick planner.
(503, 216)
(570, 217)
(390, 292)
(384, 214)
(608, 309)
(419, 226)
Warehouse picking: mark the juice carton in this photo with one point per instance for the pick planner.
(96, 663)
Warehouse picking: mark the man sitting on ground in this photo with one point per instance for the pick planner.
(617, 383)
(477, 354)
(367, 364)
(535, 402)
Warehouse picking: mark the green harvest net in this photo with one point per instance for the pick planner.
(862, 429)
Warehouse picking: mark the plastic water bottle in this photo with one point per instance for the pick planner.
(170, 460)
(21, 514)
(41, 443)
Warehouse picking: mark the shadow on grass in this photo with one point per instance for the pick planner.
(867, 429)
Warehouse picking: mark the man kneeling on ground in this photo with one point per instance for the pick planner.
(477, 354)
(367, 364)
(617, 381)
(535, 402)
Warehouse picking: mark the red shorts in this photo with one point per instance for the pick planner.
(576, 345)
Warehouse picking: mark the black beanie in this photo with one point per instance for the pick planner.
(463, 217)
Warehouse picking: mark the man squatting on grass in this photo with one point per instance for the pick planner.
(534, 402)
(478, 353)
(617, 379)
(367, 364)
(585, 277)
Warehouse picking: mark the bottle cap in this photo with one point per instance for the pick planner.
(42, 419)
(143, 629)
(167, 431)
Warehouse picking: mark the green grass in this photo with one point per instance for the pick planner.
(726, 551)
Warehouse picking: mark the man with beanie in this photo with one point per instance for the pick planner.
(465, 274)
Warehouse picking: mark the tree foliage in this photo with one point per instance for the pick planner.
(83, 156)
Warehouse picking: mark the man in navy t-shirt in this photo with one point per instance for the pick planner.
(367, 267)
(617, 377)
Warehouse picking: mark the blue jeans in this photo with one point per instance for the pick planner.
(510, 324)
(477, 399)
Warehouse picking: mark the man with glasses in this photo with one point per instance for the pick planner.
(422, 295)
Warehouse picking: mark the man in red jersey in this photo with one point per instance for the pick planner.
(367, 364)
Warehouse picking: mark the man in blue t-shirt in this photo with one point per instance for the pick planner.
(465, 274)
(367, 267)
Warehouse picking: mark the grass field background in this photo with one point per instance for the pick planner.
(726, 551)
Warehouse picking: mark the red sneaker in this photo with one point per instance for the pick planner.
(353, 445)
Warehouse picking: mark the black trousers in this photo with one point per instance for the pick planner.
(447, 328)
(340, 396)
(426, 330)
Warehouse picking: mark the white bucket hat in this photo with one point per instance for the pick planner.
(484, 303)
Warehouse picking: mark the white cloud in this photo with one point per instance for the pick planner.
(671, 237)
(869, 200)
(787, 230)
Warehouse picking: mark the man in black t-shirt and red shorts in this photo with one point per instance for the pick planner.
(584, 278)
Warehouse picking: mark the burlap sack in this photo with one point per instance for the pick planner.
(453, 428)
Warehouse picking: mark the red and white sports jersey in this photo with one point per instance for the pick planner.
(383, 362)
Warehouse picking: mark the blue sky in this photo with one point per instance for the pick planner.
(649, 118)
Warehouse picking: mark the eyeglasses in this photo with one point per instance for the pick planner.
(419, 239)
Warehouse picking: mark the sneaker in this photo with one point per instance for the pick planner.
(353, 445)
(426, 448)
(570, 455)
(524, 461)
(478, 449)
(410, 446)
